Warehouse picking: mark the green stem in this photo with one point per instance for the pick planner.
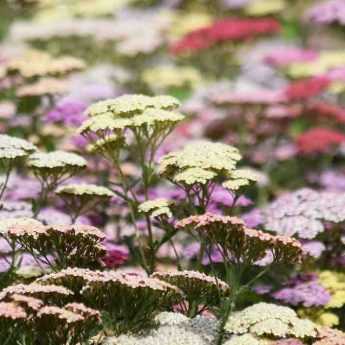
(231, 302)
(130, 202)
(229, 306)
(7, 176)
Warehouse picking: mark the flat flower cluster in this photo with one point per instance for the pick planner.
(172, 172)
(224, 31)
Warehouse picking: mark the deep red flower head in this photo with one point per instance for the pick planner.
(224, 30)
(116, 255)
(318, 140)
(327, 110)
(304, 89)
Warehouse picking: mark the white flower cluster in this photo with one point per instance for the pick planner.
(173, 329)
(12, 147)
(265, 319)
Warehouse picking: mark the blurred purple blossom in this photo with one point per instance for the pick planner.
(262, 289)
(308, 294)
(235, 4)
(253, 218)
(314, 248)
(67, 112)
(51, 215)
(15, 209)
(327, 12)
(332, 180)
(4, 265)
(15, 192)
(116, 255)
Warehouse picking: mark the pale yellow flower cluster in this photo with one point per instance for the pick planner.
(334, 282)
(163, 78)
(146, 120)
(12, 147)
(265, 7)
(156, 207)
(265, 319)
(201, 162)
(89, 190)
(34, 63)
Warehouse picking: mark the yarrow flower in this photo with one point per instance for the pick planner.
(35, 63)
(139, 298)
(73, 278)
(265, 319)
(222, 31)
(43, 87)
(132, 290)
(198, 287)
(12, 148)
(81, 198)
(88, 190)
(330, 336)
(326, 110)
(70, 245)
(68, 112)
(173, 328)
(57, 160)
(334, 282)
(165, 77)
(303, 213)
(304, 89)
(156, 207)
(204, 162)
(288, 55)
(319, 140)
(306, 293)
(244, 339)
(116, 255)
(262, 8)
(11, 311)
(52, 167)
(239, 243)
(47, 293)
(72, 323)
(149, 119)
(327, 12)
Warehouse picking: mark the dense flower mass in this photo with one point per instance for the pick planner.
(327, 110)
(223, 31)
(319, 140)
(240, 243)
(328, 12)
(305, 89)
(269, 319)
(304, 213)
(172, 172)
(307, 293)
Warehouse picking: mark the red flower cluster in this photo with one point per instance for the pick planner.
(304, 89)
(327, 110)
(319, 140)
(224, 30)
